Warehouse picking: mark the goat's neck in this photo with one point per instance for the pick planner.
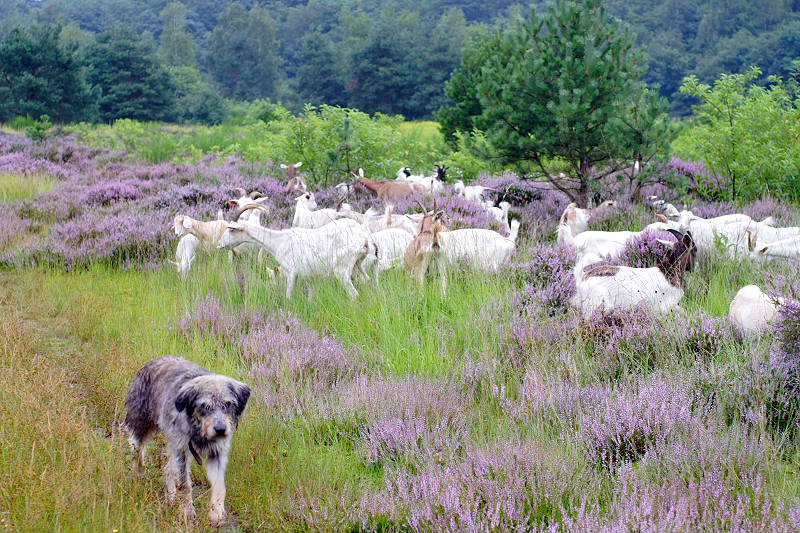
(270, 239)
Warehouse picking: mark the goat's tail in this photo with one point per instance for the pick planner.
(514, 230)
(564, 235)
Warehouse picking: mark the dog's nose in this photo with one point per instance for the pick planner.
(220, 429)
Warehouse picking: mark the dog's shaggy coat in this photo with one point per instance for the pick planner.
(197, 411)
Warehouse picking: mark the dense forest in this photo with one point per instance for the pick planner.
(388, 56)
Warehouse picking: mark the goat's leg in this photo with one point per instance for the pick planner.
(290, 279)
(347, 282)
(443, 274)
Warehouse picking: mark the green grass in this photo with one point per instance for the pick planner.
(71, 343)
(14, 187)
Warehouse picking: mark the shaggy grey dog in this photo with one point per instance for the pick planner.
(197, 411)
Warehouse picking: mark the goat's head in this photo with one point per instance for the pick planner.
(681, 257)
(403, 173)
(181, 225)
(441, 172)
(233, 235)
(307, 200)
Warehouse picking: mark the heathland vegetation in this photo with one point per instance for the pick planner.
(502, 405)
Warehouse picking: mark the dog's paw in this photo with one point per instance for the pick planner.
(189, 514)
(216, 516)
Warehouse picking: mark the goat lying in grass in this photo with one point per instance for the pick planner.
(785, 248)
(608, 288)
(335, 249)
(483, 249)
(602, 243)
(751, 311)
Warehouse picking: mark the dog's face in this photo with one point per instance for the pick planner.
(213, 403)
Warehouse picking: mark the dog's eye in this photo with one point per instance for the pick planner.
(202, 410)
(228, 406)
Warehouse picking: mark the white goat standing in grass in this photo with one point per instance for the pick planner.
(433, 184)
(185, 254)
(482, 249)
(471, 192)
(306, 214)
(390, 247)
(751, 311)
(607, 288)
(578, 219)
(374, 221)
(500, 213)
(335, 249)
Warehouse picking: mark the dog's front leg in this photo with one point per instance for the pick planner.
(183, 477)
(216, 466)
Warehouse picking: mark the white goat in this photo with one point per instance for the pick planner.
(483, 249)
(578, 219)
(374, 222)
(500, 214)
(208, 233)
(603, 243)
(607, 288)
(335, 249)
(433, 184)
(752, 311)
(786, 248)
(390, 247)
(306, 214)
(471, 192)
(185, 254)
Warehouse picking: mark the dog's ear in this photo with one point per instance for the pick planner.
(185, 400)
(241, 393)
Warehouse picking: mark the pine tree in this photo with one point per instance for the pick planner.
(553, 89)
(39, 76)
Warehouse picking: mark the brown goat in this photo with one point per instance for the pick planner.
(418, 253)
(389, 191)
(296, 183)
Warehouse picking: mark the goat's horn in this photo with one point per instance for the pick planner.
(239, 212)
(255, 194)
(424, 211)
(241, 192)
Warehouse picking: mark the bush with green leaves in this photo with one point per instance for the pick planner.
(747, 132)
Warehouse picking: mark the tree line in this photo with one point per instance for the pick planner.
(394, 57)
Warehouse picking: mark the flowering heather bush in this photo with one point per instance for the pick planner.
(12, 227)
(621, 424)
(507, 486)
(207, 317)
(109, 192)
(551, 282)
(703, 182)
(783, 409)
(705, 335)
(645, 250)
(712, 503)
(410, 416)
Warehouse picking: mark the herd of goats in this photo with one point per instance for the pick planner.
(342, 242)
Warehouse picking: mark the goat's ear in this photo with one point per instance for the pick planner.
(261, 200)
(283, 166)
(668, 244)
(751, 240)
(763, 250)
(187, 223)
(360, 172)
(298, 164)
